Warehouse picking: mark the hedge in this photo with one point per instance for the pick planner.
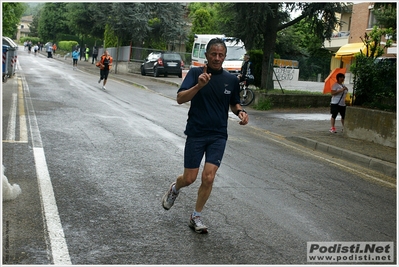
(67, 45)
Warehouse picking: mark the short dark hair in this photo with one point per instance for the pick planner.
(340, 75)
(215, 41)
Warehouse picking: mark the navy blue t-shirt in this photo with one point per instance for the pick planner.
(209, 109)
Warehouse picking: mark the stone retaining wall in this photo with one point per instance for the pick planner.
(371, 125)
(360, 123)
(294, 100)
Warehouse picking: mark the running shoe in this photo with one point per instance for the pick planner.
(333, 130)
(103, 87)
(99, 80)
(197, 225)
(169, 198)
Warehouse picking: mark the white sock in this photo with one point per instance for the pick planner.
(196, 214)
(174, 190)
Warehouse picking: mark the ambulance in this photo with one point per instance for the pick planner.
(235, 52)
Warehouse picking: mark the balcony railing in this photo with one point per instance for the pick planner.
(338, 39)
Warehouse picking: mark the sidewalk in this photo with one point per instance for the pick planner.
(305, 130)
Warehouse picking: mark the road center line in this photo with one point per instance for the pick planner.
(58, 246)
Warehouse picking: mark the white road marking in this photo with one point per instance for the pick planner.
(11, 121)
(58, 246)
(23, 131)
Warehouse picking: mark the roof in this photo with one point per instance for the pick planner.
(27, 18)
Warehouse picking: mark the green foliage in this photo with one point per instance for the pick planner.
(12, 14)
(385, 14)
(374, 83)
(33, 26)
(373, 39)
(264, 103)
(299, 43)
(67, 45)
(203, 22)
(52, 21)
(375, 80)
(111, 40)
(34, 40)
(155, 40)
(71, 37)
(78, 18)
(261, 27)
(171, 16)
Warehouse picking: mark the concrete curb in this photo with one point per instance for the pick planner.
(378, 165)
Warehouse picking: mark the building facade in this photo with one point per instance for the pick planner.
(23, 27)
(346, 44)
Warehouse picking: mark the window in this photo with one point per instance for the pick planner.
(202, 51)
(196, 50)
(372, 21)
(235, 53)
(171, 57)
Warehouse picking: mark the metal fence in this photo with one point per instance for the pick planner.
(138, 54)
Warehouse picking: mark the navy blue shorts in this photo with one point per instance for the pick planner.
(212, 146)
(335, 109)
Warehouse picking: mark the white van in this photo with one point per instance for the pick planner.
(235, 52)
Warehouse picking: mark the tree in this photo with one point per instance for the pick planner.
(12, 14)
(385, 14)
(53, 21)
(79, 19)
(172, 23)
(202, 16)
(375, 80)
(257, 24)
(298, 43)
(33, 27)
(203, 22)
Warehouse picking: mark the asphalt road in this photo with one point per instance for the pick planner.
(96, 164)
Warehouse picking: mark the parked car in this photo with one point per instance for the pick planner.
(165, 63)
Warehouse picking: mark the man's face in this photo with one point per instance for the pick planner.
(216, 56)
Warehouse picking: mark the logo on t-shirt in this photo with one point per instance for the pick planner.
(226, 91)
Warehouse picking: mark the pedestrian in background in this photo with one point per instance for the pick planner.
(54, 48)
(49, 51)
(105, 65)
(75, 57)
(95, 54)
(35, 49)
(247, 73)
(29, 47)
(87, 50)
(338, 105)
(211, 90)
